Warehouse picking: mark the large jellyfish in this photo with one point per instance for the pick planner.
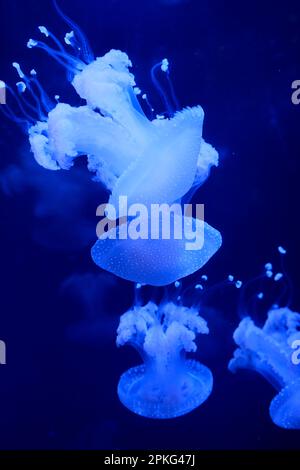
(150, 161)
(167, 384)
(270, 351)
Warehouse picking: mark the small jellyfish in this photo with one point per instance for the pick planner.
(167, 384)
(269, 351)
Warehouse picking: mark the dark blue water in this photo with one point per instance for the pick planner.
(58, 311)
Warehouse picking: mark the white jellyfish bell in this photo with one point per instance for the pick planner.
(150, 161)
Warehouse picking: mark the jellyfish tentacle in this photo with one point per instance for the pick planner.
(69, 62)
(160, 67)
(27, 117)
(43, 104)
(85, 49)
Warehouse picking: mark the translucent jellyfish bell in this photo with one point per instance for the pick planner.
(157, 262)
(167, 384)
(269, 351)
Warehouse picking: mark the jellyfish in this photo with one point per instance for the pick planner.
(271, 350)
(150, 161)
(167, 384)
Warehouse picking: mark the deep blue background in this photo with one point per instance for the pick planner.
(58, 312)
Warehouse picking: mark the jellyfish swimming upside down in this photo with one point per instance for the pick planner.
(154, 160)
(167, 384)
(270, 352)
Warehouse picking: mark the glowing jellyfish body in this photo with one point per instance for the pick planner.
(156, 262)
(269, 351)
(168, 384)
(150, 161)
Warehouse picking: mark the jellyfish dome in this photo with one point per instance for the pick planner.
(269, 351)
(167, 384)
(152, 160)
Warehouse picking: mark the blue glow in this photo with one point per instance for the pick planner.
(150, 162)
(167, 384)
(162, 261)
(268, 351)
